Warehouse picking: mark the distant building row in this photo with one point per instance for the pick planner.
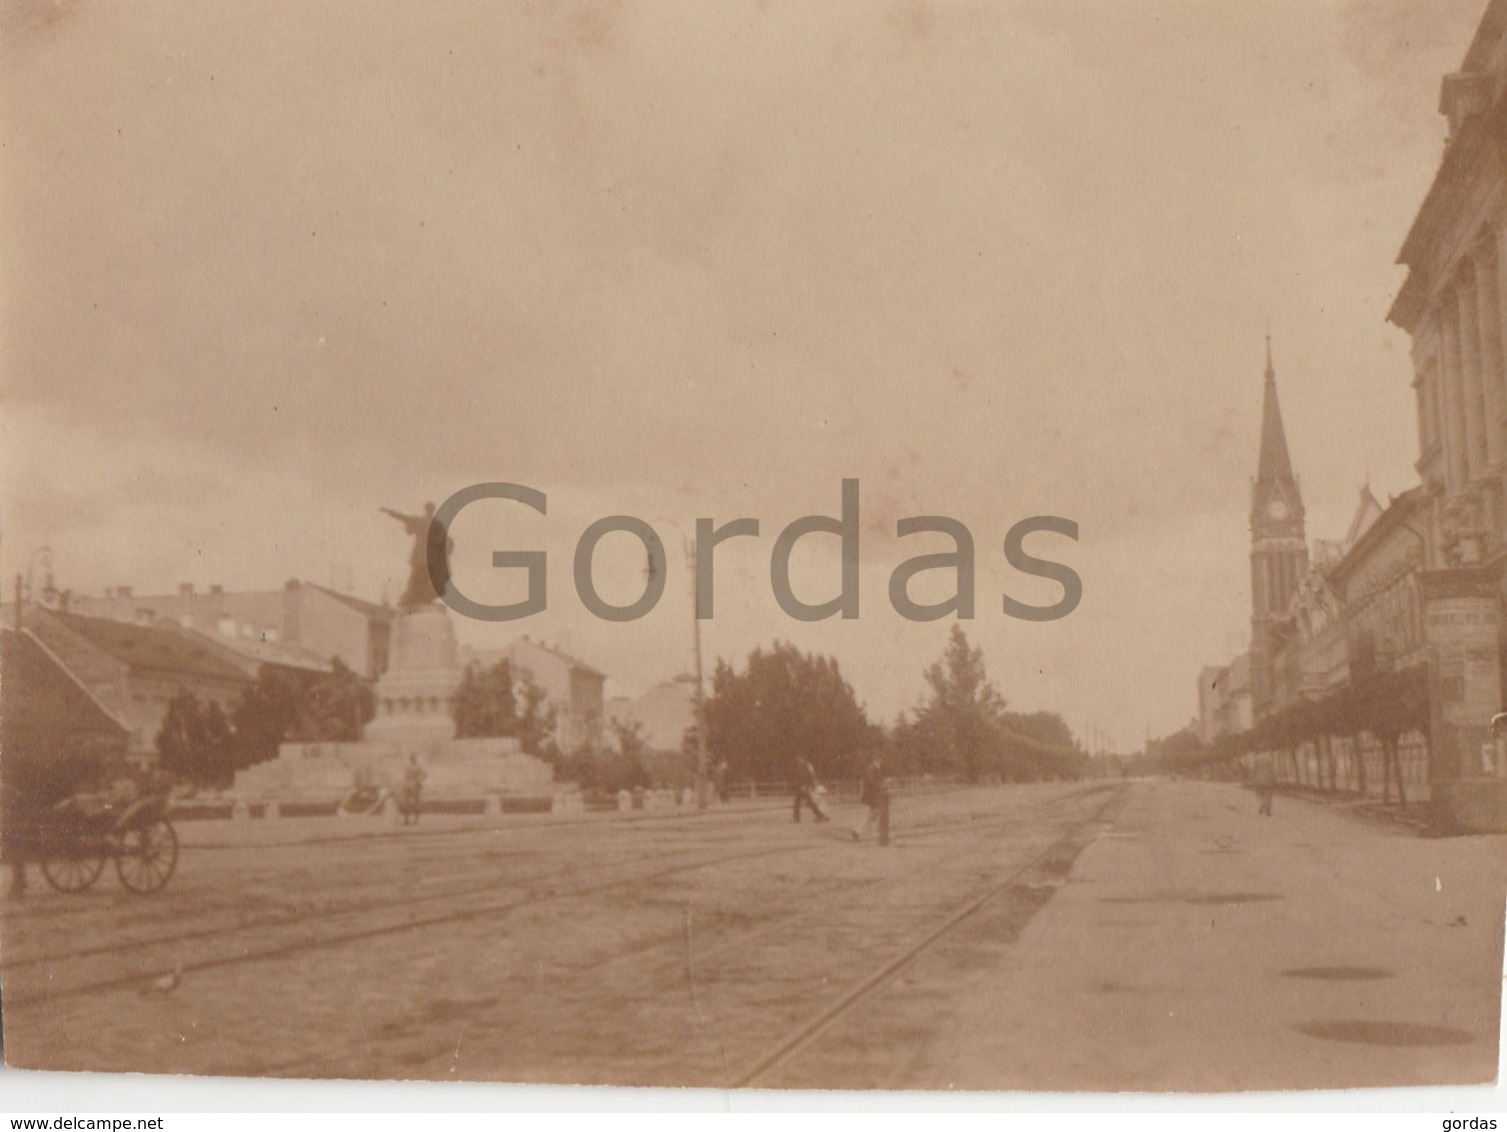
(133, 653)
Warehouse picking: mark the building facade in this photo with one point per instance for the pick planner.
(1453, 306)
(573, 688)
(1224, 699)
(135, 671)
(1417, 588)
(664, 717)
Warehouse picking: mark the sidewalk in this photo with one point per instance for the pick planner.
(1199, 947)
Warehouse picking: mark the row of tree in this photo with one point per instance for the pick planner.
(1385, 704)
(787, 707)
(200, 743)
(784, 707)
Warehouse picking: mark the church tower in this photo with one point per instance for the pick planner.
(1279, 548)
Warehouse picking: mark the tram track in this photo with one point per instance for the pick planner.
(810, 1031)
(137, 978)
(407, 902)
(486, 882)
(669, 958)
(607, 942)
(824, 905)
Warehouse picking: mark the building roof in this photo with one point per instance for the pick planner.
(154, 647)
(559, 654)
(360, 605)
(252, 652)
(43, 708)
(1398, 511)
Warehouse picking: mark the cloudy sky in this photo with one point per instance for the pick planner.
(272, 265)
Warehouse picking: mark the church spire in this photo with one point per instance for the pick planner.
(1274, 465)
(1279, 549)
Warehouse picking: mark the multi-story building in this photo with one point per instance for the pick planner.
(573, 688)
(1318, 635)
(135, 671)
(664, 716)
(1453, 305)
(1420, 584)
(1224, 699)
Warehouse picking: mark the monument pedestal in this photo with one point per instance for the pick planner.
(417, 692)
(415, 699)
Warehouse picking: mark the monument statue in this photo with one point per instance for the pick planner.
(411, 739)
(431, 543)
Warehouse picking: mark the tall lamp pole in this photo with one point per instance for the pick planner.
(44, 553)
(703, 760)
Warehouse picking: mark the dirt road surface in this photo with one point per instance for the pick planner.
(1088, 936)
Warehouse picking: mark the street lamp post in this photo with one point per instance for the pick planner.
(703, 760)
(44, 554)
(703, 768)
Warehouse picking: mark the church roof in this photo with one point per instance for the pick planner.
(1274, 465)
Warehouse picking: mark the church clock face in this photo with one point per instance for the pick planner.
(1277, 510)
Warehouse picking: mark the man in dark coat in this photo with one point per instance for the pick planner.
(874, 792)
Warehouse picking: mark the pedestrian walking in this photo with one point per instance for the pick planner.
(806, 789)
(874, 792)
(1266, 779)
(412, 800)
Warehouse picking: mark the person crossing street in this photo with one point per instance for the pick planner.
(806, 788)
(874, 792)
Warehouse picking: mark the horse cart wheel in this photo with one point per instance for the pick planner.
(74, 873)
(147, 856)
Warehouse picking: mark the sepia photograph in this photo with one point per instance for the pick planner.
(864, 548)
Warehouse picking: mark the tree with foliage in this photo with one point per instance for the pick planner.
(293, 706)
(1043, 741)
(960, 727)
(1179, 753)
(335, 707)
(783, 708)
(493, 703)
(1393, 703)
(196, 742)
(625, 766)
(906, 754)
